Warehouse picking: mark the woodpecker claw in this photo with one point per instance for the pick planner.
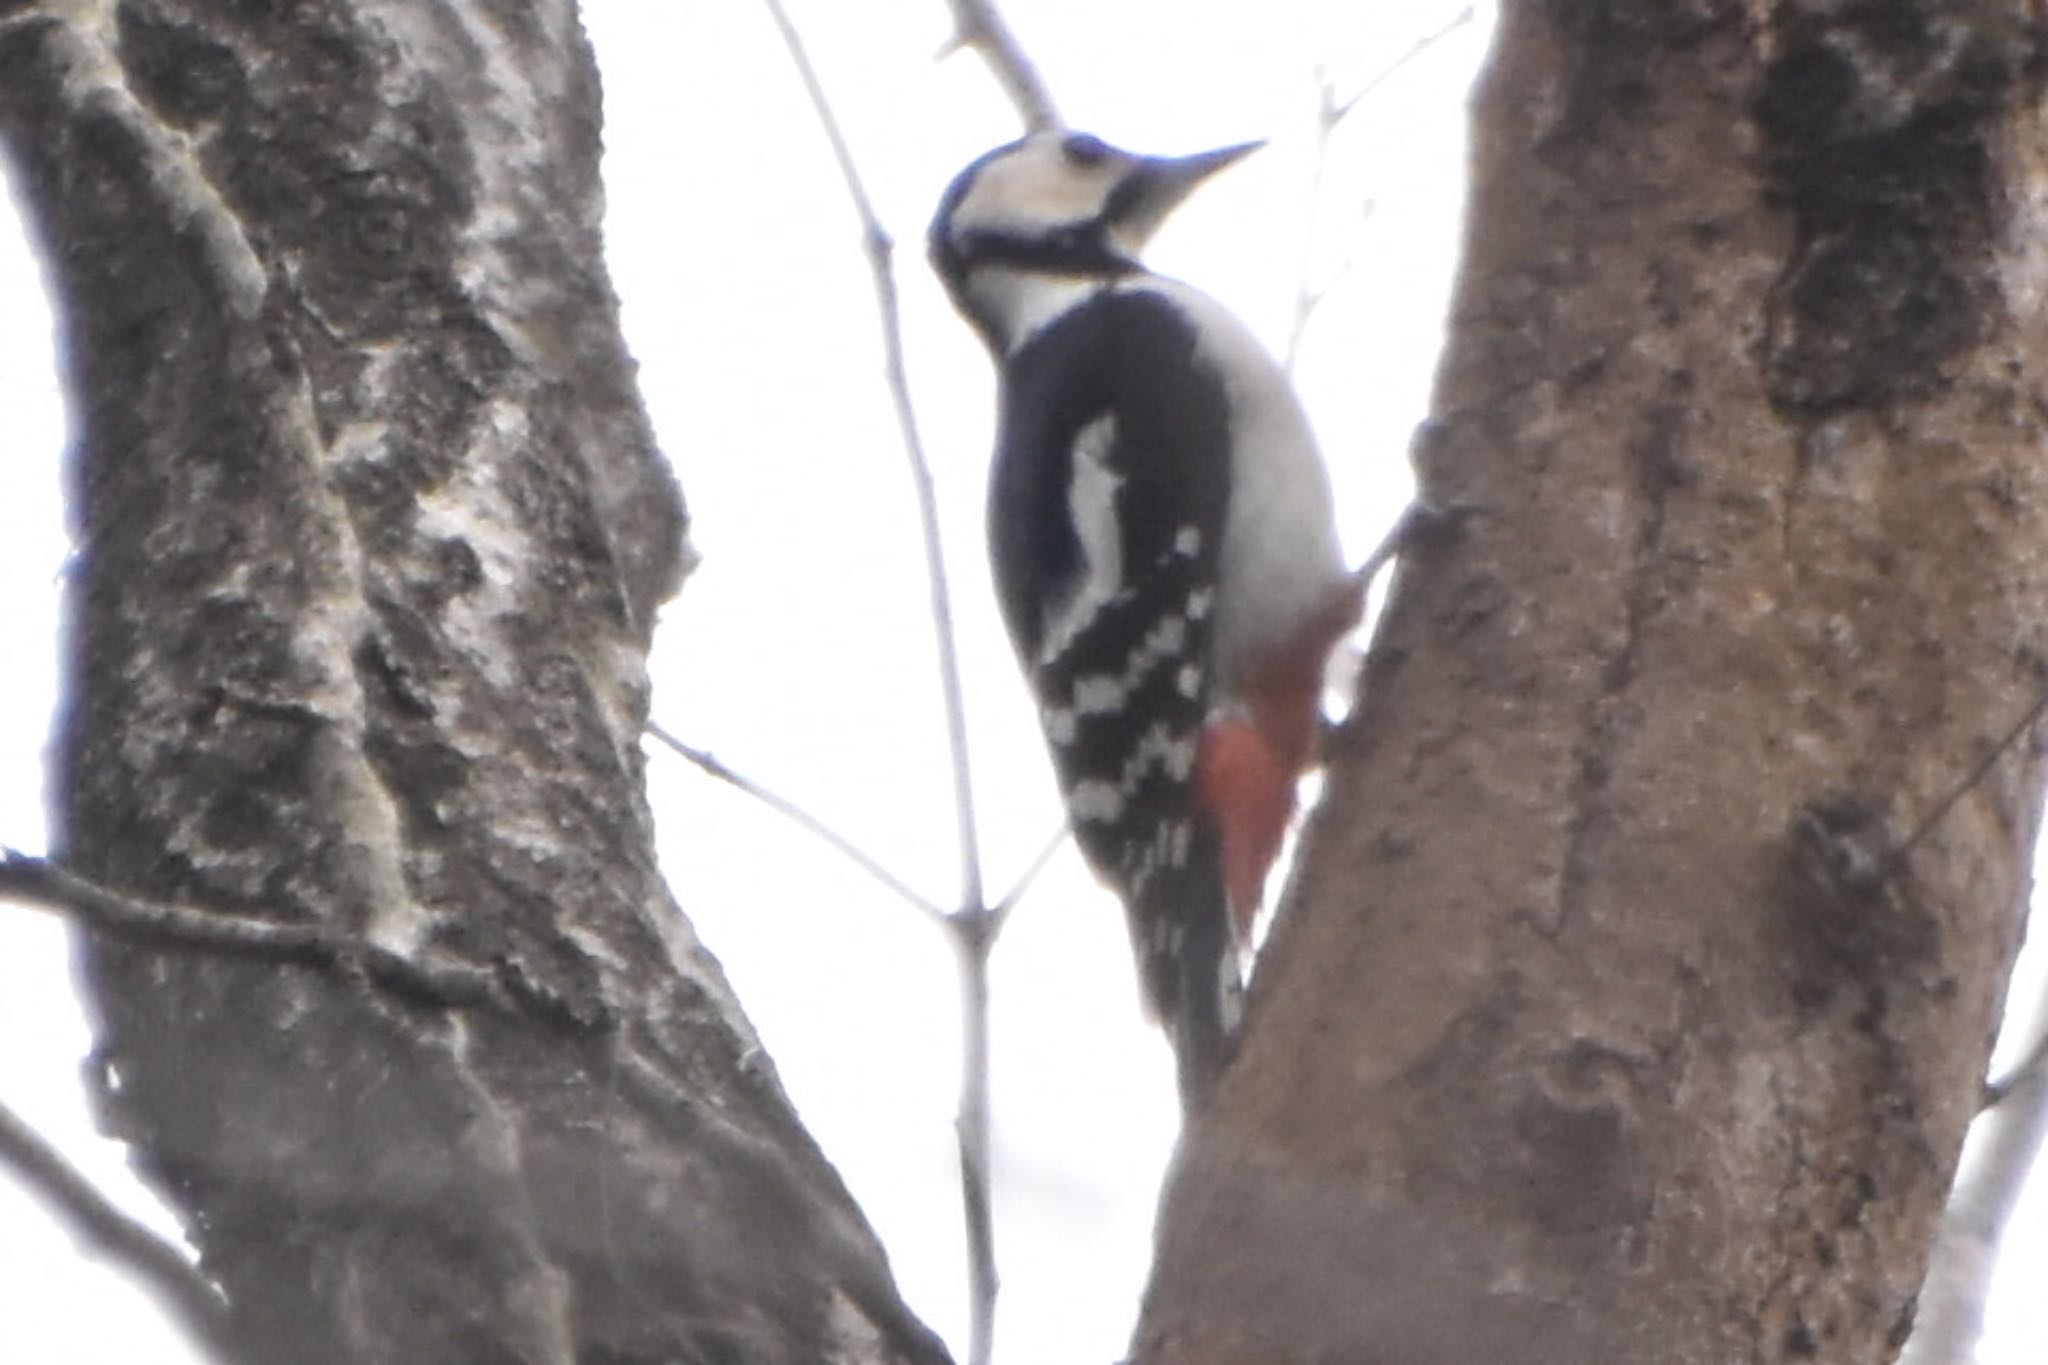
(1425, 518)
(1420, 520)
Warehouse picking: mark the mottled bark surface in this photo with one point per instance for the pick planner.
(1618, 1015)
(372, 534)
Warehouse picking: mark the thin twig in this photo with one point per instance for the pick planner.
(2003, 1150)
(973, 934)
(973, 924)
(132, 919)
(879, 251)
(1307, 298)
(979, 25)
(1416, 49)
(93, 1218)
(2014, 1123)
(1003, 907)
(797, 814)
(1329, 114)
(972, 1129)
(842, 154)
(1976, 775)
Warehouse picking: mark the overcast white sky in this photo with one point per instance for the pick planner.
(800, 651)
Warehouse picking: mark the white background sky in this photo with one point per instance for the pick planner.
(800, 651)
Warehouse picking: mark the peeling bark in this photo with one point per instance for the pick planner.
(372, 534)
(1628, 1006)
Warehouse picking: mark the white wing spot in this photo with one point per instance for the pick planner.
(1175, 757)
(1199, 602)
(1102, 693)
(1098, 695)
(1189, 542)
(1189, 681)
(1095, 800)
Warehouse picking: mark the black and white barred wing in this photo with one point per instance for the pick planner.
(1107, 510)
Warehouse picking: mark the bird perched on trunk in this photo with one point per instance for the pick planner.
(1164, 548)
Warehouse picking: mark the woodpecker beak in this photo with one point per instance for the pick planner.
(1156, 186)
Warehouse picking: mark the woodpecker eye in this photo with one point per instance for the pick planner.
(1085, 149)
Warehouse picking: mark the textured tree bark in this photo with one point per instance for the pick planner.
(1639, 981)
(372, 535)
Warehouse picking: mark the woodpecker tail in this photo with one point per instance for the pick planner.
(1188, 957)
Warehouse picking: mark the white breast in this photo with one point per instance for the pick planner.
(1019, 303)
(1282, 562)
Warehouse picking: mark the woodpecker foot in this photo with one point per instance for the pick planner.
(1419, 521)
(1426, 520)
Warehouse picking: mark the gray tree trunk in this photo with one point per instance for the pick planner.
(372, 532)
(1640, 979)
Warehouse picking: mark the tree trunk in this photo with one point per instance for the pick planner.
(372, 534)
(1641, 975)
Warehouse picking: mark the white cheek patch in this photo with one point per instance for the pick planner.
(1032, 191)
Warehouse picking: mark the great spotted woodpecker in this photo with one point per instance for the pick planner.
(1164, 549)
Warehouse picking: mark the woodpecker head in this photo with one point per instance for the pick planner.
(1029, 227)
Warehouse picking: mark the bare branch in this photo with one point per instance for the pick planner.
(979, 25)
(973, 925)
(1386, 73)
(1329, 113)
(47, 886)
(790, 810)
(1958, 1284)
(1029, 875)
(973, 934)
(1970, 780)
(1307, 298)
(842, 154)
(974, 937)
(92, 1218)
(2009, 1138)
(42, 884)
(879, 250)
